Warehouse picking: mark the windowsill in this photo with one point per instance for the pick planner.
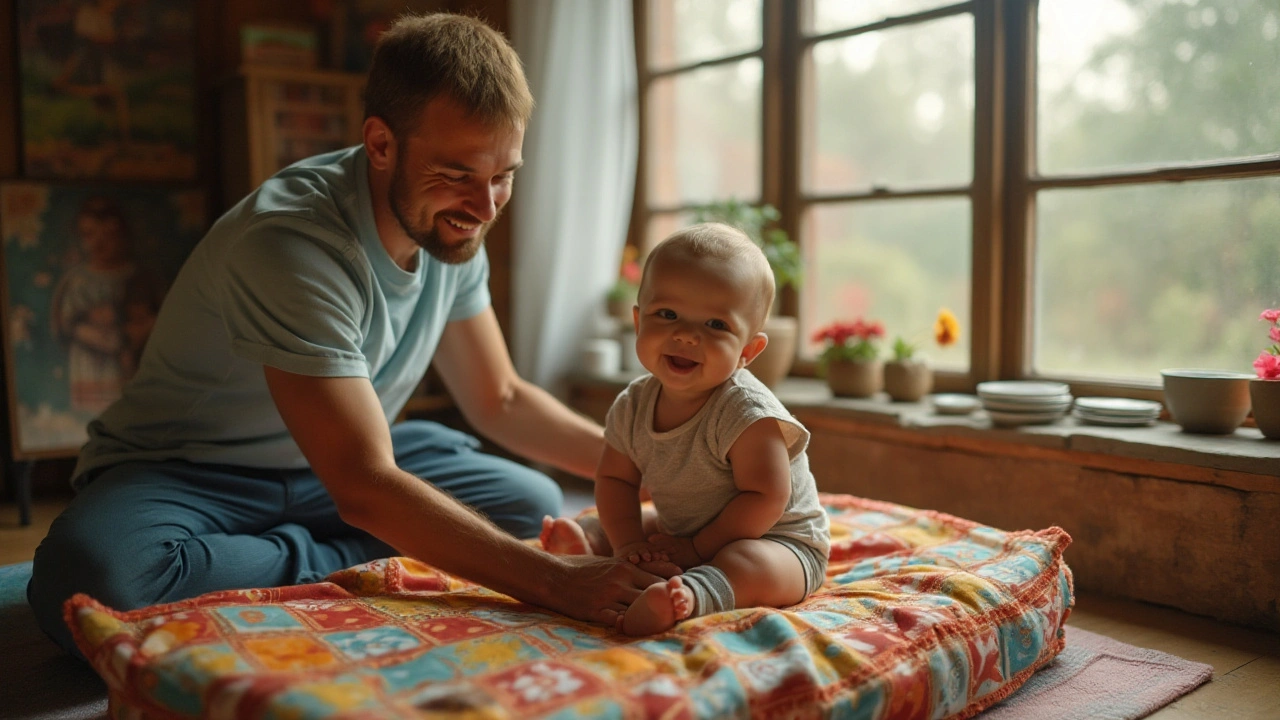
(1244, 451)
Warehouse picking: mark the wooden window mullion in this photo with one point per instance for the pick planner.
(1014, 296)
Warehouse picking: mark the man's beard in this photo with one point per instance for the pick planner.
(425, 234)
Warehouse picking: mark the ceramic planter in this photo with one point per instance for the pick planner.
(1265, 395)
(621, 308)
(774, 362)
(1212, 402)
(855, 378)
(907, 380)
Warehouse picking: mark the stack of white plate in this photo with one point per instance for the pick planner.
(1125, 412)
(1024, 402)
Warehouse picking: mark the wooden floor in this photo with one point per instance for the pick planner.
(1246, 663)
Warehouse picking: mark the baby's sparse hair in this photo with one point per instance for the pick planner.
(727, 244)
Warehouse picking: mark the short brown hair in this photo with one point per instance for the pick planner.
(722, 243)
(423, 56)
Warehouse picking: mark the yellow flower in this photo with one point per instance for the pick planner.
(946, 329)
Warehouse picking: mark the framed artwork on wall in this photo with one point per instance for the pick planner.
(85, 269)
(108, 89)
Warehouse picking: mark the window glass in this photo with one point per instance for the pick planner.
(703, 135)
(1130, 280)
(832, 15)
(1124, 83)
(661, 225)
(893, 108)
(897, 261)
(687, 31)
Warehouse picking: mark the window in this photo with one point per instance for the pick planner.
(701, 109)
(1132, 274)
(1093, 186)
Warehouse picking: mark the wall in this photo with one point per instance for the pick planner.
(217, 55)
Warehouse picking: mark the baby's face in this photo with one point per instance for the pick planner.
(103, 240)
(694, 324)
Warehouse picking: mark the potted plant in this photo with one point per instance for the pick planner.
(850, 359)
(773, 364)
(622, 295)
(1264, 390)
(907, 377)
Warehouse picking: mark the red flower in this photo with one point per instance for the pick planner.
(1268, 366)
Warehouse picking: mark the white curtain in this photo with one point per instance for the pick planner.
(573, 196)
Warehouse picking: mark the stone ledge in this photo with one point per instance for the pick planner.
(1244, 451)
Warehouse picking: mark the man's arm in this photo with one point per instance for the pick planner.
(476, 367)
(339, 425)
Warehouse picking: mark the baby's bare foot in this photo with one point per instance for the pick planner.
(658, 608)
(563, 536)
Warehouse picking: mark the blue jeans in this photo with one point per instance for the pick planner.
(155, 532)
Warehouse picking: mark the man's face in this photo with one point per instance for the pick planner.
(452, 177)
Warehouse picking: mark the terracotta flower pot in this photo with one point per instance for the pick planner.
(907, 380)
(1265, 395)
(774, 362)
(621, 308)
(855, 378)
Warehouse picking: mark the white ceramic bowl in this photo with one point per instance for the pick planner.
(1212, 402)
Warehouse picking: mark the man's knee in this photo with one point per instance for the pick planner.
(528, 500)
(81, 557)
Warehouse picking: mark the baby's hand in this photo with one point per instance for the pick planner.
(648, 558)
(678, 550)
(639, 552)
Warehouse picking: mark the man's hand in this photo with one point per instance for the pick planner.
(678, 550)
(596, 589)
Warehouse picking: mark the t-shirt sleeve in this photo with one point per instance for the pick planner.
(473, 288)
(292, 301)
(619, 422)
(740, 408)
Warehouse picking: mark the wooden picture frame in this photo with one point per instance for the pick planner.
(85, 268)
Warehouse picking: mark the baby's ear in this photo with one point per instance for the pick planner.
(754, 347)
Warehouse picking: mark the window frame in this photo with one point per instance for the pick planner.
(1002, 192)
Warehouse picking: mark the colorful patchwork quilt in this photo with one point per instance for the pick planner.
(923, 615)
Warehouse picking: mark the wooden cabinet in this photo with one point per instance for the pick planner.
(273, 117)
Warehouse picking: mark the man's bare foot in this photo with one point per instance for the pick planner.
(658, 608)
(563, 536)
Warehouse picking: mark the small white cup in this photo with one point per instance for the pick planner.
(630, 360)
(602, 357)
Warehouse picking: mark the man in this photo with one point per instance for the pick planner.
(253, 447)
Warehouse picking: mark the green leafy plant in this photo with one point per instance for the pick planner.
(903, 350)
(755, 220)
(627, 285)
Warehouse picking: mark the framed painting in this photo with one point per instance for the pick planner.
(85, 270)
(108, 89)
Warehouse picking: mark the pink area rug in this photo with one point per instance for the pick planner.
(1097, 678)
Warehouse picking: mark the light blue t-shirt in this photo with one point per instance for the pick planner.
(295, 277)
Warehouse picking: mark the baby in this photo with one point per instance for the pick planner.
(737, 521)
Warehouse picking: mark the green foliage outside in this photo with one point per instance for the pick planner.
(1128, 279)
(755, 220)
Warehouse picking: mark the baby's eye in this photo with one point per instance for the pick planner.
(717, 325)
(666, 314)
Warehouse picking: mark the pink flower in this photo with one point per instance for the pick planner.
(1267, 366)
(631, 272)
(1270, 316)
(1275, 333)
